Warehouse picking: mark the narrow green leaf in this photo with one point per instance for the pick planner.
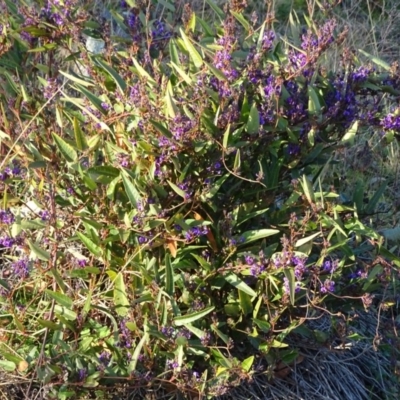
(66, 149)
(173, 51)
(194, 54)
(92, 247)
(38, 252)
(131, 191)
(241, 19)
(314, 106)
(305, 240)
(375, 198)
(120, 298)
(177, 190)
(247, 363)
(235, 281)
(350, 135)
(189, 318)
(182, 73)
(245, 303)
(114, 74)
(226, 137)
(76, 79)
(105, 170)
(143, 73)
(9, 366)
(171, 108)
(251, 236)
(80, 139)
(253, 123)
(216, 72)
(237, 162)
(169, 275)
(136, 353)
(376, 60)
(60, 298)
(216, 9)
(308, 190)
(289, 274)
(65, 312)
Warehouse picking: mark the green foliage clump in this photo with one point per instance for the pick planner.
(164, 215)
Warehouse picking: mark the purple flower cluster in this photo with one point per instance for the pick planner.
(104, 358)
(21, 268)
(160, 32)
(257, 266)
(12, 171)
(55, 12)
(286, 286)
(195, 232)
(180, 126)
(267, 40)
(125, 336)
(6, 217)
(223, 58)
(8, 241)
(329, 266)
(51, 88)
(391, 122)
(328, 286)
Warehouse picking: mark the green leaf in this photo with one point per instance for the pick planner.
(39, 252)
(247, 363)
(235, 281)
(350, 135)
(76, 79)
(7, 365)
(194, 54)
(253, 123)
(80, 139)
(241, 19)
(305, 240)
(169, 276)
(308, 190)
(105, 170)
(92, 247)
(117, 78)
(216, 9)
(314, 106)
(131, 191)
(251, 236)
(93, 99)
(376, 60)
(66, 149)
(177, 190)
(120, 298)
(143, 73)
(245, 303)
(136, 353)
(60, 298)
(182, 73)
(289, 273)
(171, 108)
(237, 162)
(375, 198)
(65, 312)
(216, 72)
(189, 318)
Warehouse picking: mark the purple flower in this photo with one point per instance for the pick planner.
(328, 286)
(44, 215)
(6, 217)
(391, 122)
(105, 358)
(21, 267)
(82, 373)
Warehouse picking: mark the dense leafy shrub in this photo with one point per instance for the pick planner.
(164, 215)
